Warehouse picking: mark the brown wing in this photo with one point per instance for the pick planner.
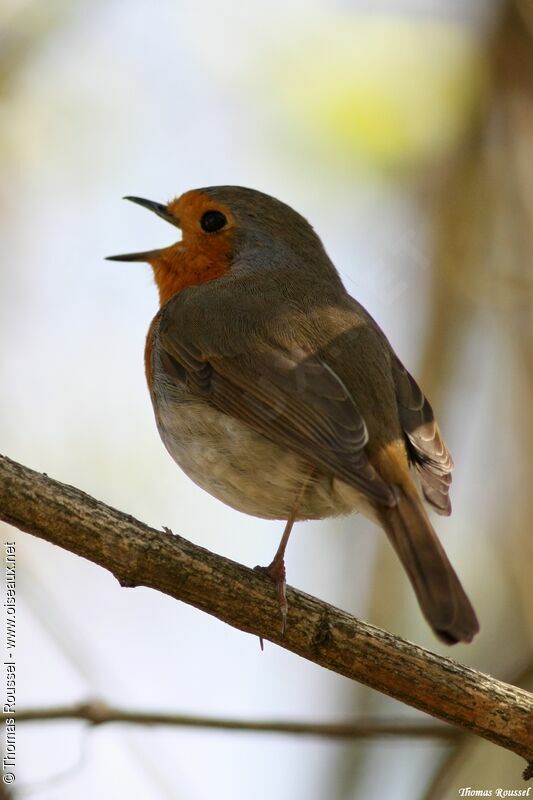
(290, 397)
(425, 444)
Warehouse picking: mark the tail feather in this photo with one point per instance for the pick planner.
(441, 597)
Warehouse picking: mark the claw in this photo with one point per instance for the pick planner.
(276, 570)
(277, 573)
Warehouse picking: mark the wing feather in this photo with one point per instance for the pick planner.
(289, 396)
(426, 447)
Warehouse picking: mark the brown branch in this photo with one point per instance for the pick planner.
(141, 556)
(452, 760)
(99, 713)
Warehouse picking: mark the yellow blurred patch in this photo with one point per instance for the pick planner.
(391, 91)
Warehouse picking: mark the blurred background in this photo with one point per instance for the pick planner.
(403, 131)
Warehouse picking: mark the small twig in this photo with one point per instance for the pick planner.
(141, 556)
(99, 713)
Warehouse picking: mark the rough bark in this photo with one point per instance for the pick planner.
(140, 556)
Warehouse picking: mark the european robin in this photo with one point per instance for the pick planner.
(276, 392)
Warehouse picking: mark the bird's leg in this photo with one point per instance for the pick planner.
(276, 568)
(276, 571)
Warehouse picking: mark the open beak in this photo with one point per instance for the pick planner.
(161, 211)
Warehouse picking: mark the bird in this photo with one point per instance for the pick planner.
(276, 392)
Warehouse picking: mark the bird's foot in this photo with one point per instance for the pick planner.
(168, 530)
(276, 572)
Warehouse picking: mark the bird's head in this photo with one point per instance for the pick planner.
(223, 228)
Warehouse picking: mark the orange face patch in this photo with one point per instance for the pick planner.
(200, 256)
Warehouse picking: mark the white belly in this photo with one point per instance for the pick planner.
(242, 468)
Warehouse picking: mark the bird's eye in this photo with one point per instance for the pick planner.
(213, 221)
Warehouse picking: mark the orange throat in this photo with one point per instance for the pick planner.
(189, 264)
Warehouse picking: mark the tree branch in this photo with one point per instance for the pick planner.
(99, 713)
(141, 556)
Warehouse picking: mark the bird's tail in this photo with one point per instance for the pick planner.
(441, 597)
